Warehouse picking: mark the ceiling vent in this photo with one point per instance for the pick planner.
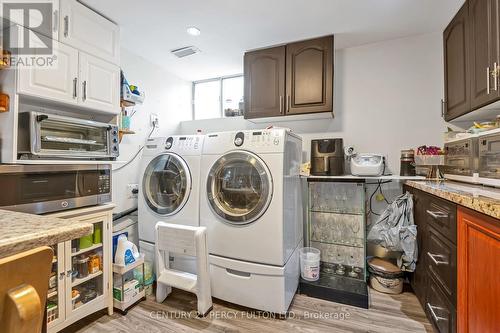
(185, 51)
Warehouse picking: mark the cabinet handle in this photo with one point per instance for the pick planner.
(75, 83)
(66, 25)
(55, 22)
(495, 74)
(68, 273)
(488, 80)
(84, 90)
(436, 261)
(61, 275)
(433, 313)
(281, 104)
(437, 215)
(289, 101)
(443, 108)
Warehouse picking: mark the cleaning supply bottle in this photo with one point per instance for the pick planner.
(126, 251)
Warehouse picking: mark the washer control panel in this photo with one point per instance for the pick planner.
(263, 138)
(184, 143)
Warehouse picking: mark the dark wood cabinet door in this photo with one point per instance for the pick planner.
(309, 76)
(265, 82)
(483, 52)
(477, 274)
(456, 65)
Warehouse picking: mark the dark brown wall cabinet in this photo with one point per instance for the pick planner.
(296, 78)
(435, 278)
(471, 58)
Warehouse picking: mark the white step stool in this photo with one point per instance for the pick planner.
(186, 240)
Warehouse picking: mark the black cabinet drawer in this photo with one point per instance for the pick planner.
(439, 310)
(440, 256)
(442, 215)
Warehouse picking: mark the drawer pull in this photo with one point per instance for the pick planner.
(437, 215)
(239, 274)
(433, 313)
(436, 261)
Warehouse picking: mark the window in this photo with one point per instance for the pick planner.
(218, 98)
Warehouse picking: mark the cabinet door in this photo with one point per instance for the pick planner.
(92, 288)
(57, 82)
(483, 52)
(456, 66)
(100, 84)
(309, 76)
(264, 82)
(478, 267)
(56, 291)
(86, 30)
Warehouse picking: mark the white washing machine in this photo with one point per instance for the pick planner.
(169, 188)
(252, 209)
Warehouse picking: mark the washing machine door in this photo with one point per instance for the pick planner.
(166, 184)
(239, 187)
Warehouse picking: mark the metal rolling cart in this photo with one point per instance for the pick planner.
(336, 225)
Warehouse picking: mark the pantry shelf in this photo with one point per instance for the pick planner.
(123, 132)
(87, 249)
(85, 279)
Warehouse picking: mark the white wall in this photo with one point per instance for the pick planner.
(387, 98)
(166, 95)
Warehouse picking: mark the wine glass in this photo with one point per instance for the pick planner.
(351, 261)
(339, 259)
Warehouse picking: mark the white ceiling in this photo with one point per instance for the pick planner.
(151, 28)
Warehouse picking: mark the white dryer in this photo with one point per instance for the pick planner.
(169, 187)
(252, 209)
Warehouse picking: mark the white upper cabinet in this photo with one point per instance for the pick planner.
(57, 82)
(88, 31)
(38, 17)
(100, 83)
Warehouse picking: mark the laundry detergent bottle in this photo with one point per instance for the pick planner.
(126, 251)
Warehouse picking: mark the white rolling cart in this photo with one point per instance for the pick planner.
(125, 297)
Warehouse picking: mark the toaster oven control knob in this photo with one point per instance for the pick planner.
(239, 138)
(115, 148)
(114, 132)
(115, 140)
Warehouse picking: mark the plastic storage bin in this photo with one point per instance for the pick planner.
(309, 263)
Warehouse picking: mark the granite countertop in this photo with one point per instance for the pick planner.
(483, 199)
(21, 232)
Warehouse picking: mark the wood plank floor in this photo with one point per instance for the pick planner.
(387, 313)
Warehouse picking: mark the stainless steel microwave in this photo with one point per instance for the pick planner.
(47, 136)
(39, 189)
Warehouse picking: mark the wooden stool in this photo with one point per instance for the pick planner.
(23, 291)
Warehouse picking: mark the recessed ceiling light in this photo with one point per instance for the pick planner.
(193, 31)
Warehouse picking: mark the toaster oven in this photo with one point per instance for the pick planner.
(47, 136)
(461, 160)
(489, 159)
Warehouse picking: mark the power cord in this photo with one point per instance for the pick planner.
(377, 189)
(136, 154)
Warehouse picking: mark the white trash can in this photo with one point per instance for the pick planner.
(309, 263)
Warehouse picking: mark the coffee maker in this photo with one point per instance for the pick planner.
(327, 157)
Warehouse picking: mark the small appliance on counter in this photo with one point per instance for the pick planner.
(462, 159)
(367, 164)
(489, 158)
(327, 157)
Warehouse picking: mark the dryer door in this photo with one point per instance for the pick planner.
(166, 184)
(239, 187)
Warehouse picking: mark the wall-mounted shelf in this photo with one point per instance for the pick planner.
(123, 132)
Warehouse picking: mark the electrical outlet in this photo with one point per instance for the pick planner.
(155, 121)
(132, 191)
